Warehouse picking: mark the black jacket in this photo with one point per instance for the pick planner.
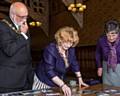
(15, 57)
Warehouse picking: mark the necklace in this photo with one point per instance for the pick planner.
(64, 55)
(10, 25)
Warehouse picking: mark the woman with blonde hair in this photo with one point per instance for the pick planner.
(57, 58)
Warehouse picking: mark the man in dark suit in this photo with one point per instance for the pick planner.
(15, 59)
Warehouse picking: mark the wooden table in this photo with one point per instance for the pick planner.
(95, 89)
(75, 91)
(101, 88)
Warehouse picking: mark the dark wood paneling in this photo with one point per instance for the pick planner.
(86, 59)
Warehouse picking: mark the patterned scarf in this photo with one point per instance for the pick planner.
(112, 56)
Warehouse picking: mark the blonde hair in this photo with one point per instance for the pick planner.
(67, 34)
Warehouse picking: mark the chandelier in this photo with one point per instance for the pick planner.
(76, 7)
(35, 24)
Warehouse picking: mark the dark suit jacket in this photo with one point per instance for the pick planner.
(52, 64)
(15, 58)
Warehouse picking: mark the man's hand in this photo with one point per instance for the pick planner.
(24, 27)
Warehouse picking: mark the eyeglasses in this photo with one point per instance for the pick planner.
(22, 17)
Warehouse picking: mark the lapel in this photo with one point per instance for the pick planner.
(9, 22)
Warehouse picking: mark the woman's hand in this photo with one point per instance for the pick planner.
(66, 90)
(81, 83)
(99, 72)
